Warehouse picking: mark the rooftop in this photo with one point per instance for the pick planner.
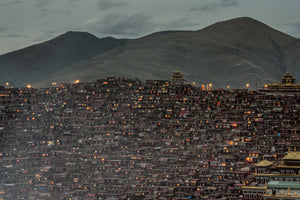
(288, 78)
(264, 163)
(284, 184)
(295, 155)
(288, 81)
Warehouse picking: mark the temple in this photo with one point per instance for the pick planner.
(288, 79)
(177, 77)
(288, 84)
(275, 180)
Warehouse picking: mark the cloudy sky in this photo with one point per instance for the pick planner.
(26, 22)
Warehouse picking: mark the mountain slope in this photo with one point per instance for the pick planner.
(233, 52)
(37, 62)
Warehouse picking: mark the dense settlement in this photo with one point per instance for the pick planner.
(119, 138)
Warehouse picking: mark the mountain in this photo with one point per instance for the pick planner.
(38, 62)
(234, 52)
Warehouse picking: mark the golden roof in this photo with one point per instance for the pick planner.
(283, 165)
(254, 187)
(264, 163)
(177, 76)
(294, 155)
(288, 78)
(287, 81)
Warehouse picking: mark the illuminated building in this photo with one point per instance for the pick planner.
(288, 84)
(177, 78)
(275, 181)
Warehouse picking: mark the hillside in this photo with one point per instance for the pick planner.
(38, 62)
(234, 52)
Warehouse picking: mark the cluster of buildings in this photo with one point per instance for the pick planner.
(118, 138)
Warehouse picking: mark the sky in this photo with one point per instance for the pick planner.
(27, 22)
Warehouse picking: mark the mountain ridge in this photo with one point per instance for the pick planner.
(231, 52)
(39, 60)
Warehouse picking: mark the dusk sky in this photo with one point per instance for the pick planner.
(27, 22)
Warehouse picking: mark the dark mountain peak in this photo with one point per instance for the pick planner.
(86, 41)
(57, 42)
(49, 57)
(240, 22)
(75, 35)
(246, 29)
(72, 37)
(243, 20)
(72, 33)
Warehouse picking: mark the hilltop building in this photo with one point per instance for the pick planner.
(177, 77)
(288, 84)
